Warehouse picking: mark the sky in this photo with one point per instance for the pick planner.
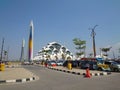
(60, 21)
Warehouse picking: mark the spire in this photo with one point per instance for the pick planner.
(31, 23)
(22, 50)
(30, 43)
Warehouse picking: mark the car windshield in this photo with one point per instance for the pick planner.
(100, 61)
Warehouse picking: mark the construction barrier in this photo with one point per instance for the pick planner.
(87, 73)
(43, 63)
(2, 67)
(69, 66)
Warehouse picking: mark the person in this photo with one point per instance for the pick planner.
(87, 71)
(46, 63)
(87, 66)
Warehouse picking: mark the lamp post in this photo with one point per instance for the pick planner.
(93, 40)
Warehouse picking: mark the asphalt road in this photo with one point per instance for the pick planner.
(55, 80)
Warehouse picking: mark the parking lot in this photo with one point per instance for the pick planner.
(56, 80)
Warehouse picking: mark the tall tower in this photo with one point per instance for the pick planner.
(22, 50)
(2, 50)
(30, 43)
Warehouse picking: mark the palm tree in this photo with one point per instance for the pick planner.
(106, 50)
(80, 45)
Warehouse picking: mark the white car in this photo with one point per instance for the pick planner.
(59, 63)
(27, 63)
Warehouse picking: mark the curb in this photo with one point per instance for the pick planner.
(78, 73)
(13, 66)
(23, 79)
(18, 80)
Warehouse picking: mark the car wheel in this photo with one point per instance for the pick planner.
(99, 69)
(116, 70)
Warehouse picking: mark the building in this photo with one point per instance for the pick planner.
(53, 51)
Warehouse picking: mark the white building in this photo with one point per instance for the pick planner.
(54, 51)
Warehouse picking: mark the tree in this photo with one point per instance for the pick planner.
(106, 50)
(80, 46)
(91, 54)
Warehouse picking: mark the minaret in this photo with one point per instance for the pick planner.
(22, 51)
(30, 43)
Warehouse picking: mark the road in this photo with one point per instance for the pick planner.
(55, 80)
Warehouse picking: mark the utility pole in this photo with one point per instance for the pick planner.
(7, 53)
(119, 53)
(93, 40)
(2, 49)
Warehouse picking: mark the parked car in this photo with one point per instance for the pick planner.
(95, 63)
(114, 66)
(118, 61)
(74, 63)
(27, 63)
(51, 63)
(92, 65)
(59, 62)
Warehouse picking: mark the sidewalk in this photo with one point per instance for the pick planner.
(16, 74)
(79, 71)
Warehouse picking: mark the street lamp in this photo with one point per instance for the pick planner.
(93, 39)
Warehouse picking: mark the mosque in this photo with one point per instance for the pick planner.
(53, 51)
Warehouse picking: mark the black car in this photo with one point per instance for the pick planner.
(92, 65)
(118, 61)
(74, 63)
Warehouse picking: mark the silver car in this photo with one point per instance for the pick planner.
(114, 66)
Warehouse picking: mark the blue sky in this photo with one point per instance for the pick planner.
(60, 21)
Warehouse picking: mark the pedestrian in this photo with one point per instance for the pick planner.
(87, 66)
